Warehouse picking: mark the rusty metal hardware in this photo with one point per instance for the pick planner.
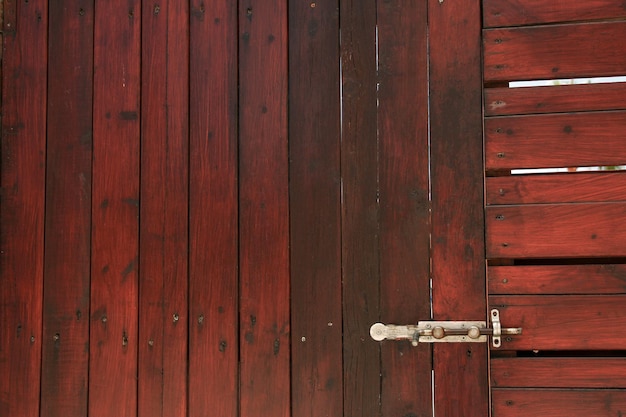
(445, 331)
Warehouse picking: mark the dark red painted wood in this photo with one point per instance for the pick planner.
(558, 403)
(264, 214)
(315, 207)
(565, 322)
(557, 188)
(213, 210)
(556, 230)
(115, 210)
(22, 177)
(163, 320)
(555, 51)
(559, 372)
(404, 201)
(65, 362)
(557, 279)
(560, 140)
(562, 98)
(360, 228)
(458, 268)
(525, 12)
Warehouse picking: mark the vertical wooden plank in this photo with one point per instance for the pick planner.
(115, 196)
(315, 206)
(458, 266)
(404, 201)
(164, 205)
(22, 178)
(360, 256)
(264, 213)
(65, 362)
(213, 210)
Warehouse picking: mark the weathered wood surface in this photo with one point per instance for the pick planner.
(163, 318)
(558, 403)
(65, 362)
(562, 322)
(404, 201)
(264, 210)
(555, 51)
(213, 210)
(458, 270)
(556, 140)
(557, 279)
(580, 187)
(558, 372)
(22, 177)
(115, 210)
(556, 230)
(529, 12)
(561, 98)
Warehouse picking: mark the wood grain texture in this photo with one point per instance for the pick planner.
(264, 214)
(115, 210)
(163, 319)
(404, 201)
(566, 322)
(22, 178)
(458, 266)
(558, 403)
(559, 140)
(602, 186)
(558, 372)
(557, 279)
(213, 210)
(556, 230)
(65, 362)
(549, 99)
(528, 12)
(360, 227)
(555, 51)
(315, 207)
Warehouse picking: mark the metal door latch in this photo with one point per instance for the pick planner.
(445, 331)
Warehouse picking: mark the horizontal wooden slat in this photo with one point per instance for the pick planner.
(556, 51)
(557, 279)
(524, 12)
(558, 140)
(557, 188)
(563, 322)
(558, 372)
(558, 403)
(556, 230)
(561, 98)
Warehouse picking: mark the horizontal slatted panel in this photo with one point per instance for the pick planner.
(557, 279)
(562, 98)
(565, 322)
(578, 139)
(558, 403)
(558, 372)
(556, 51)
(524, 12)
(555, 188)
(556, 230)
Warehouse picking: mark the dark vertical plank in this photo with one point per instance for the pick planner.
(163, 220)
(360, 257)
(213, 210)
(22, 178)
(458, 266)
(65, 362)
(404, 201)
(264, 213)
(115, 196)
(315, 206)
